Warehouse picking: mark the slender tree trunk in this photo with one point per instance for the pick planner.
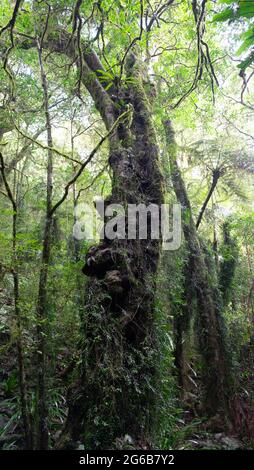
(115, 394)
(22, 374)
(211, 334)
(20, 348)
(182, 323)
(215, 247)
(42, 410)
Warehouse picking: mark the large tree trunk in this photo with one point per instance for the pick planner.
(115, 395)
(211, 334)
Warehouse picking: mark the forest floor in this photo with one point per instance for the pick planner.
(193, 434)
(190, 433)
(202, 436)
(213, 441)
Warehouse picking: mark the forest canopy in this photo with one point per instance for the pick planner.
(114, 341)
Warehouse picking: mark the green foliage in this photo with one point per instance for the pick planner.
(10, 385)
(238, 10)
(213, 131)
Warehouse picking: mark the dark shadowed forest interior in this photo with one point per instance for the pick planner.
(109, 338)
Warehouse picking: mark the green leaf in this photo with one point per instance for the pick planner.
(105, 75)
(228, 2)
(225, 15)
(245, 45)
(246, 9)
(7, 212)
(247, 62)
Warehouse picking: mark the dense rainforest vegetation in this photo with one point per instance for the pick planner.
(117, 342)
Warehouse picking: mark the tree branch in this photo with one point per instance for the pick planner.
(6, 184)
(10, 166)
(12, 21)
(84, 164)
(216, 176)
(46, 147)
(90, 74)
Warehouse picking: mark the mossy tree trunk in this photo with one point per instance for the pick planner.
(228, 265)
(114, 395)
(182, 332)
(211, 334)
